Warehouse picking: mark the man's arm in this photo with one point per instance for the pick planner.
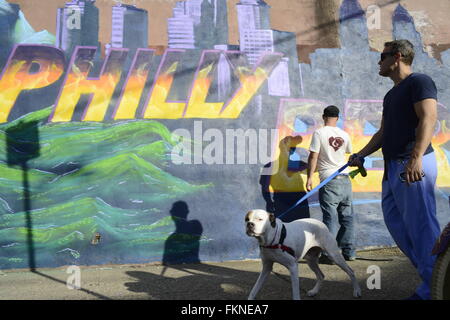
(373, 145)
(426, 111)
(312, 165)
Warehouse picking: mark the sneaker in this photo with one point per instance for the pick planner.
(349, 258)
(324, 259)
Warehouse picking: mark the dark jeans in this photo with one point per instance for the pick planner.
(336, 203)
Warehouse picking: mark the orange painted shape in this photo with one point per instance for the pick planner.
(17, 75)
(158, 107)
(197, 105)
(250, 84)
(134, 87)
(101, 89)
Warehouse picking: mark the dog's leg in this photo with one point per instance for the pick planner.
(267, 268)
(313, 262)
(340, 261)
(293, 269)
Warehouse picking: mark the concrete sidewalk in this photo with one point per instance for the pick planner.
(230, 280)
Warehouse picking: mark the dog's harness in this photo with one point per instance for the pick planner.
(280, 245)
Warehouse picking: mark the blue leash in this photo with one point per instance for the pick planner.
(309, 194)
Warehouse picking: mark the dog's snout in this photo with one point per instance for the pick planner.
(250, 228)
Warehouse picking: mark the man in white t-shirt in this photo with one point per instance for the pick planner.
(328, 147)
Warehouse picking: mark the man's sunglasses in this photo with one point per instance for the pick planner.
(384, 55)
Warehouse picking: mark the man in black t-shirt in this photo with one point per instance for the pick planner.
(407, 127)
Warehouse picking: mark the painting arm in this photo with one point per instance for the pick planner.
(312, 166)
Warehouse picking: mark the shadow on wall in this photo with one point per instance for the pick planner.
(280, 180)
(22, 145)
(182, 246)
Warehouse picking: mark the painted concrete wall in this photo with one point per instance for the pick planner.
(147, 155)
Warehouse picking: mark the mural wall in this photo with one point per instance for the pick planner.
(120, 152)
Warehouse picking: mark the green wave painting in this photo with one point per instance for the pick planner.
(86, 179)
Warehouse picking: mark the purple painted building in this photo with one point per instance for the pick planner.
(198, 24)
(256, 38)
(129, 28)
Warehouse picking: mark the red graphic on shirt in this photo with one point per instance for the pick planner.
(336, 143)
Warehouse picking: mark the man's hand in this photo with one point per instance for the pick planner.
(356, 160)
(413, 170)
(309, 184)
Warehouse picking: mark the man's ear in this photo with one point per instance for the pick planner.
(272, 220)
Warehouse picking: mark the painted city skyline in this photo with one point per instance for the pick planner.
(193, 16)
(315, 23)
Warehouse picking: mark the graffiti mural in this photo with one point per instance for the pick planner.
(361, 119)
(122, 152)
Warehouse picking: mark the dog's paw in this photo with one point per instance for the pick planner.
(312, 293)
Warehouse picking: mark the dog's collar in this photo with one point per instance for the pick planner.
(275, 235)
(280, 245)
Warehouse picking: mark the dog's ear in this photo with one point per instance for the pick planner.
(272, 220)
(247, 216)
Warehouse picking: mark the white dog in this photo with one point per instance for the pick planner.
(286, 243)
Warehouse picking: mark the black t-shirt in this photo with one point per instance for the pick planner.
(400, 119)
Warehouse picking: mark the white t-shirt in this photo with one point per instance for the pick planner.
(331, 143)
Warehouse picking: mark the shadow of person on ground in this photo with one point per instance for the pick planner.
(193, 281)
(216, 282)
(212, 282)
(282, 184)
